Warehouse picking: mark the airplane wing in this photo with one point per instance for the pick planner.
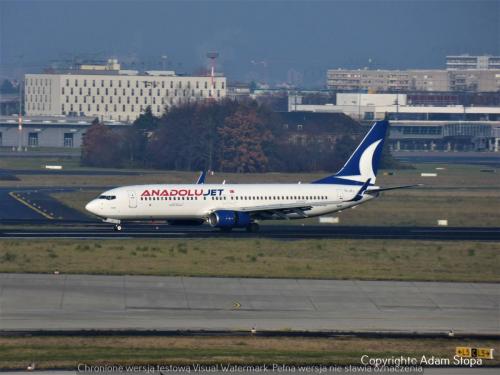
(279, 210)
(378, 190)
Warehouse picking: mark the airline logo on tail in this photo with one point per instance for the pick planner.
(365, 166)
(364, 162)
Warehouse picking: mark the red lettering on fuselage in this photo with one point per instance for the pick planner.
(172, 193)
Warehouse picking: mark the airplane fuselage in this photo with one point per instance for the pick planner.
(180, 202)
(228, 206)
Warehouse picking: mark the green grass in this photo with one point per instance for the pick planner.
(68, 352)
(324, 259)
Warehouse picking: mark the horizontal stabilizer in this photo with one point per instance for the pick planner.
(359, 194)
(378, 190)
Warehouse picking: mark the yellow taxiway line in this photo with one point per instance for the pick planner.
(19, 199)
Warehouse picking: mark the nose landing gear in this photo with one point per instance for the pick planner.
(117, 227)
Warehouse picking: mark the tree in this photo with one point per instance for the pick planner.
(102, 147)
(146, 121)
(136, 137)
(242, 142)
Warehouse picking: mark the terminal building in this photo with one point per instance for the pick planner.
(418, 127)
(112, 94)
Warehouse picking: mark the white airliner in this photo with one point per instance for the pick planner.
(228, 206)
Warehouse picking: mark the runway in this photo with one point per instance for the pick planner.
(92, 230)
(69, 302)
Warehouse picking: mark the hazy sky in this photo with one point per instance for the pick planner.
(256, 39)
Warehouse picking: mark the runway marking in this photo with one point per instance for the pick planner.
(19, 199)
(236, 305)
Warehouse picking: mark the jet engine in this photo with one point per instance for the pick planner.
(229, 219)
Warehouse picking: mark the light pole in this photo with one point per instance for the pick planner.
(213, 57)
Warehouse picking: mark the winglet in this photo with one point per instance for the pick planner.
(359, 194)
(201, 178)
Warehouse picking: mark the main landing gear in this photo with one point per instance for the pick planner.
(250, 228)
(117, 228)
(253, 228)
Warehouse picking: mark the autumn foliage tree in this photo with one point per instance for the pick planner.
(102, 147)
(242, 140)
(227, 136)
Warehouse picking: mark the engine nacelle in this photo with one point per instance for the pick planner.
(229, 219)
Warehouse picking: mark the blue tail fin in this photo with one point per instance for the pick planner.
(364, 162)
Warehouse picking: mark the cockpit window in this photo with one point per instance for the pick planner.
(107, 197)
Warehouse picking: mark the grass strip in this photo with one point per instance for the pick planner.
(68, 352)
(464, 261)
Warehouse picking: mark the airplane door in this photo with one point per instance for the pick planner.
(132, 199)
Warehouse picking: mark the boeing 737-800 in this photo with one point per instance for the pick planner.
(228, 206)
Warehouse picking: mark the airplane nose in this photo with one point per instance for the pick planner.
(92, 206)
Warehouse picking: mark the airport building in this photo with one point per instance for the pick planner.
(47, 131)
(418, 127)
(341, 80)
(112, 94)
(466, 62)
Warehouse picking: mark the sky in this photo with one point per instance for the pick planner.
(257, 40)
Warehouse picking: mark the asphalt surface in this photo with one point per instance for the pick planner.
(25, 205)
(90, 230)
(12, 209)
(33, 301)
